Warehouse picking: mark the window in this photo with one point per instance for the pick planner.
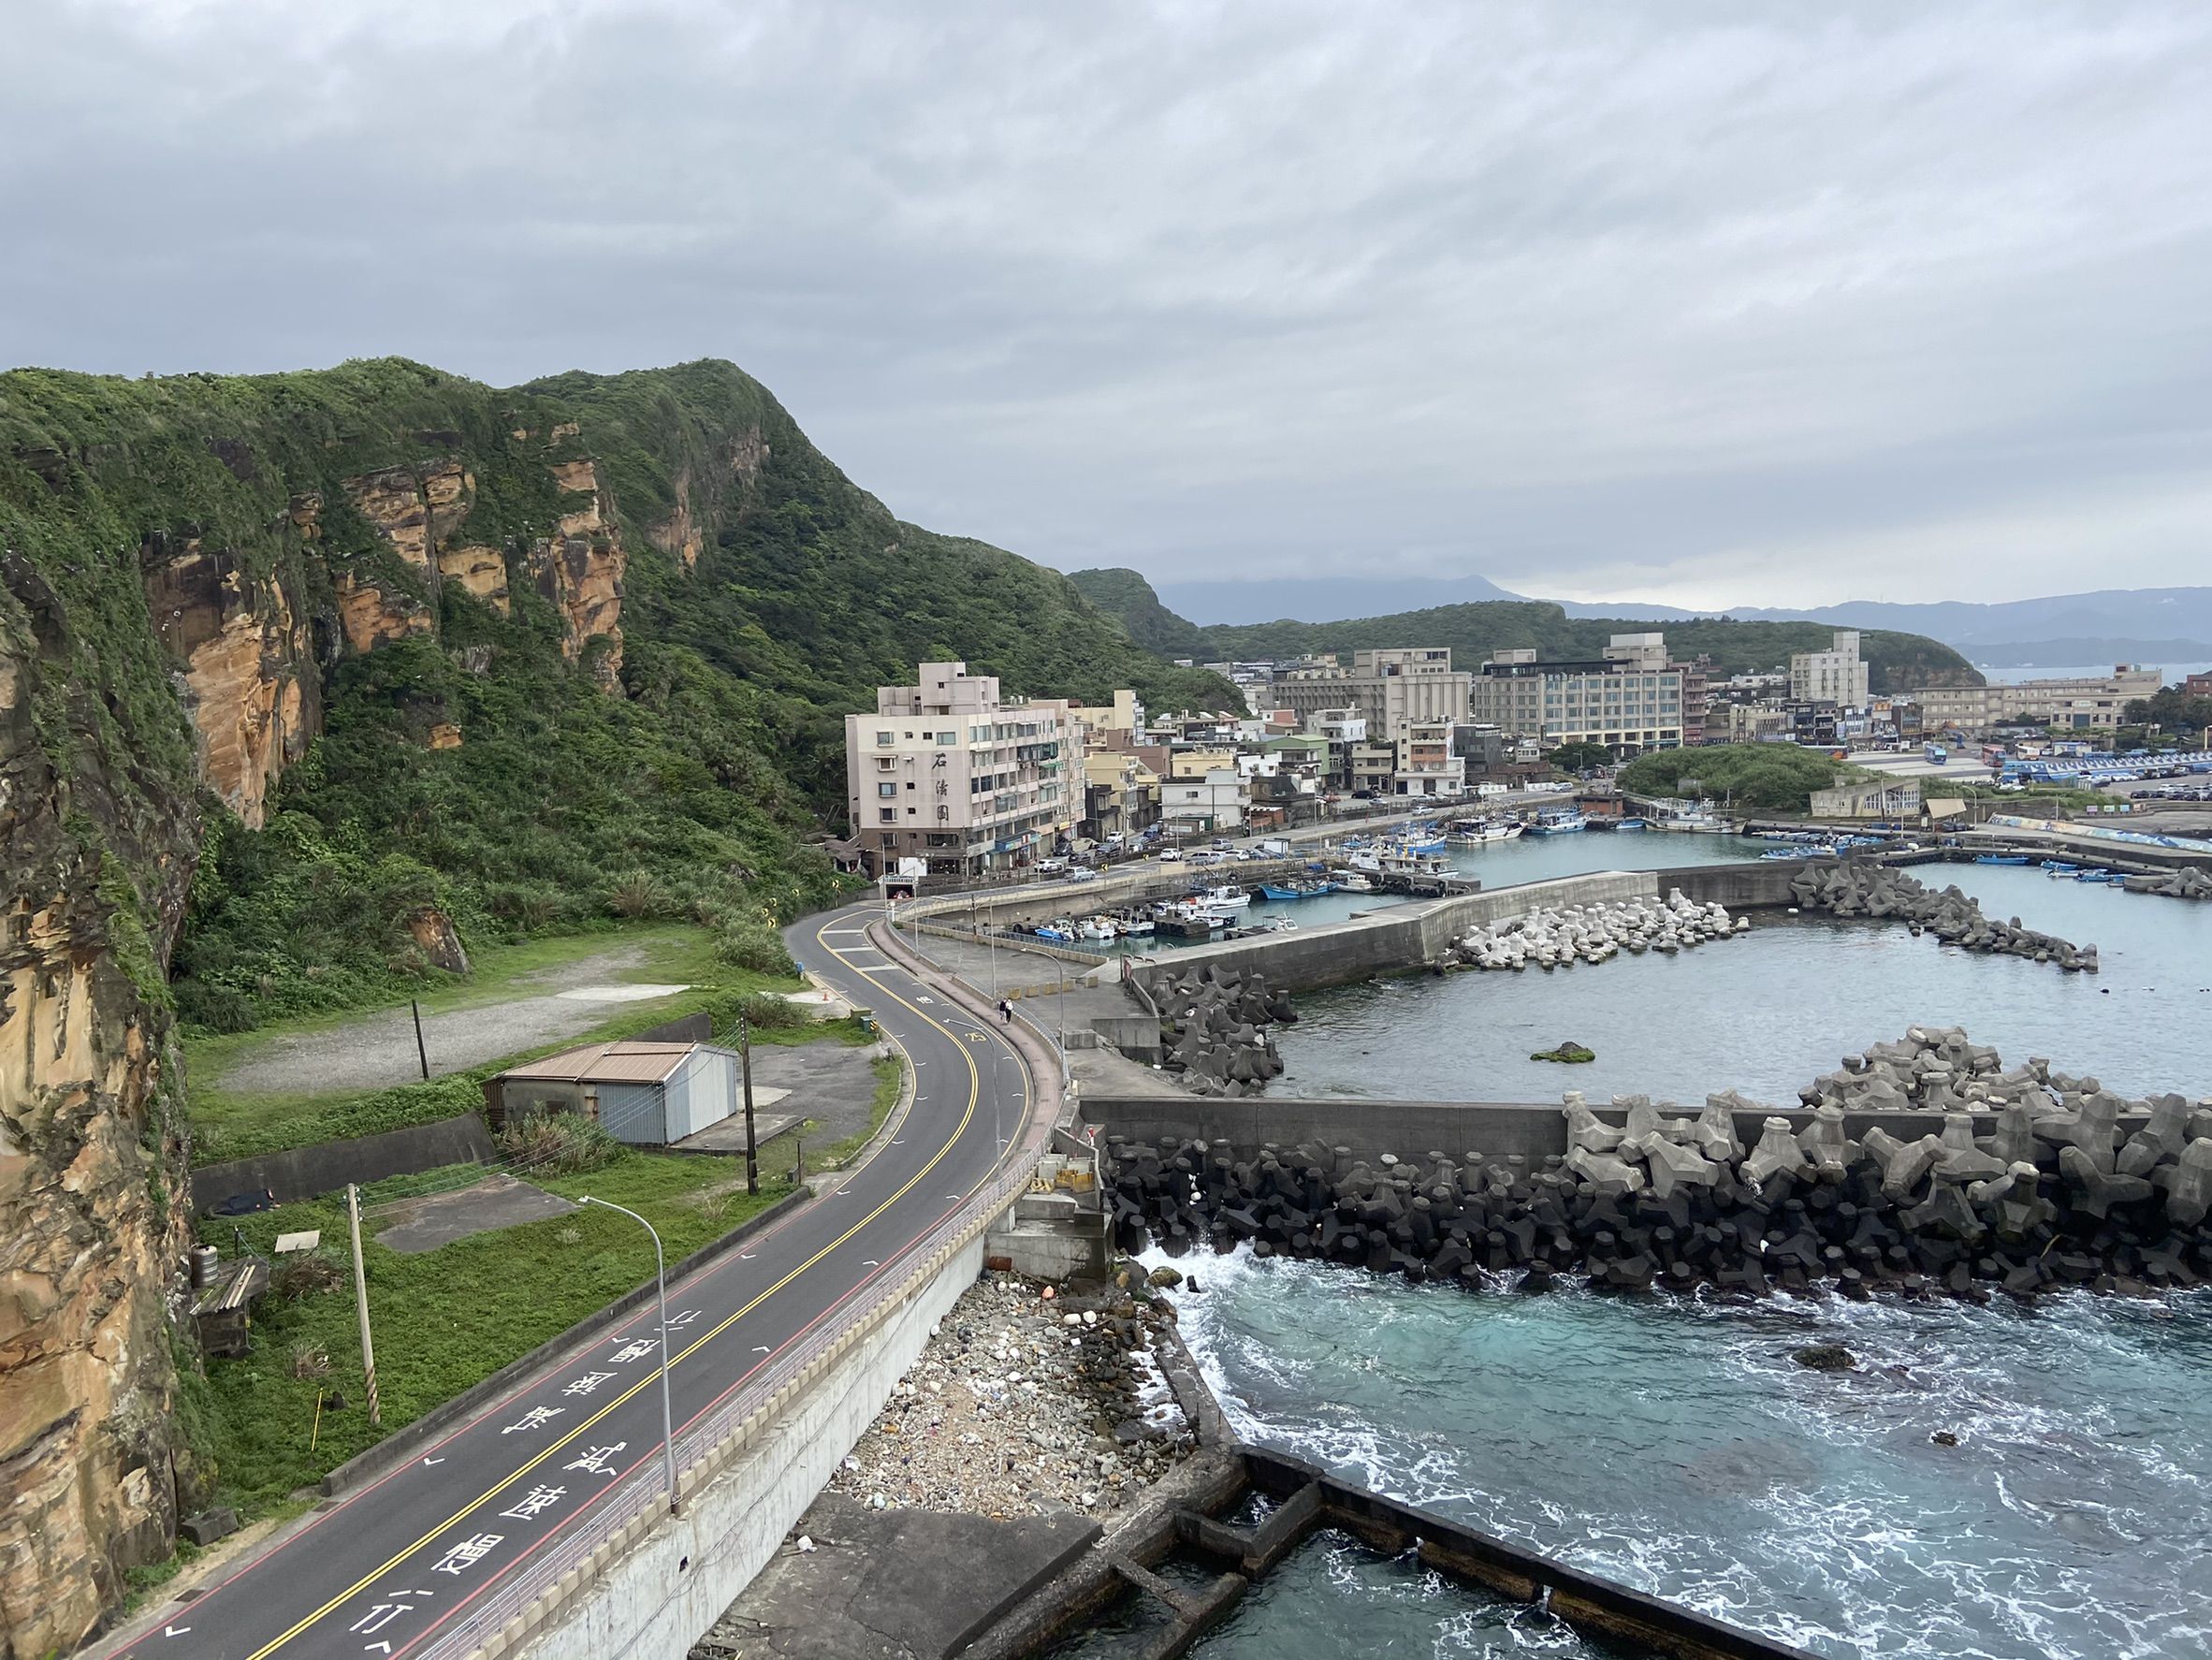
(887, 789)
(888, 816)
(883, 740)
(947, 737)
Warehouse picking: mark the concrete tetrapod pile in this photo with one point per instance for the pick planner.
(2034, 1183)
(1854, 887)
(1214, 1030)
(2189, 883)
(1553, 938)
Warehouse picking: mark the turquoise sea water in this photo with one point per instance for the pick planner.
(1769, 1011)
(1673, 1445)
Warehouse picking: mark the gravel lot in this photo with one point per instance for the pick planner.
(377, 1051)
(1022, 1403)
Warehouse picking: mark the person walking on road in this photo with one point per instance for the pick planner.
(1005, 1013)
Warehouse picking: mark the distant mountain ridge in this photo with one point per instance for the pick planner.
(2146, 624)
(1473, 630)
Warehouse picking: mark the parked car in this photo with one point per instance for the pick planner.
(1169, 856)
(1083, 873)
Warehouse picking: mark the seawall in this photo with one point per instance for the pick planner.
(1395, 937)
(1409, 1129)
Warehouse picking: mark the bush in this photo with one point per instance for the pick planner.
(556, 1143)
(307, 1274)
(766, 1012)
(749, 942)
(637, 894)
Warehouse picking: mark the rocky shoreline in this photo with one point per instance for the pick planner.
(2037, 1182)
(1858, 887)
(1029, 1398)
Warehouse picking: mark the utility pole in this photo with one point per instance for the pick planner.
(353, 1222)
(753, 1161)
(421, 1053)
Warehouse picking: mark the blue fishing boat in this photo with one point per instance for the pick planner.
(1559, 822)
(2001, 858)
(1296, 889)
(2060, 866)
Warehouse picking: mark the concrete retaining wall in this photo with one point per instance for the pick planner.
(1495, 1130)
(304, 1172)
(676, 1577)
(1392, 937)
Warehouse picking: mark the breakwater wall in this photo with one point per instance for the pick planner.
(1364, 1130)
(1395, 937)
(2030, 1181)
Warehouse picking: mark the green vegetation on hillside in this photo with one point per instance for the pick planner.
(2174, 713)
(1897, 661)
(689, 795)
(1749, 778)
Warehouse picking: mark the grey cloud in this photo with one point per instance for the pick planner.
(1761, 303)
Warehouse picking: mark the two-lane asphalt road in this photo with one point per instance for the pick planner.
(396, 1567)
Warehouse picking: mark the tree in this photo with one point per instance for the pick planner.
(1579, 757)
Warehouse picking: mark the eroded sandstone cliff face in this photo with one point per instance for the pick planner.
(93, 1225)
(227, 663)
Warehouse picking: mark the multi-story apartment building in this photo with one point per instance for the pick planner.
(1215, 802)
(1834, 676)
(1392, 688)
(1629, 701)
(1427, 764)
(946, 773)
(2091, 703)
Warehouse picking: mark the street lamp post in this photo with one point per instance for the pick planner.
(661, 1287)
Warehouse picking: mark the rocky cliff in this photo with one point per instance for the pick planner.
(305, 680)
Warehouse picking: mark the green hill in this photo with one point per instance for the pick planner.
(1896, 662)
(380, 640)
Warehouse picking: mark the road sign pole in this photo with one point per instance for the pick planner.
(353, 1222)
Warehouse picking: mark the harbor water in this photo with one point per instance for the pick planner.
(1769, 1011)
(1674, 1446)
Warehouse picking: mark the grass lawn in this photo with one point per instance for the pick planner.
(228, 1125)
(443, 1319)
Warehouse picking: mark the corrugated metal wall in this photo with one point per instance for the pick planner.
(699, 1093)
(635, 1113)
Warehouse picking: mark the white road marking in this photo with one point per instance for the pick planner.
(433, 1461)
(174, 1630)
(760, 1348)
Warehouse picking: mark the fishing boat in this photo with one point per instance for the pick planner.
(1098, 927)
(2098, 876)
(1136, 927)
(2001, 858)
(1693, 819)
(2060, 866)
(1309, 889)
(1426, 842)
(1479, 832)
(1630, 824)
(1271, 924)
(1223, 898)
(1353, 881)
(1057, 933)
(1559, 822)
(1787, 853)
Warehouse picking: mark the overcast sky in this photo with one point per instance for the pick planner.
(1777, 303)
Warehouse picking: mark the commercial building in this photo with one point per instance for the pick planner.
(1213, 803)
(947, 773)
(1392, 688)
(1629, 701)
(1884, 799)
(1834, 676)
(1427, 764)
(2088, 703)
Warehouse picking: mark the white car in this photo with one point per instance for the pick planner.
(1083, 873)
(1170, 855)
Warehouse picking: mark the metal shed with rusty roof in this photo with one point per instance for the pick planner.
(648, 1094)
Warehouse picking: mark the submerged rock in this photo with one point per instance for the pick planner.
(1826, 1357)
